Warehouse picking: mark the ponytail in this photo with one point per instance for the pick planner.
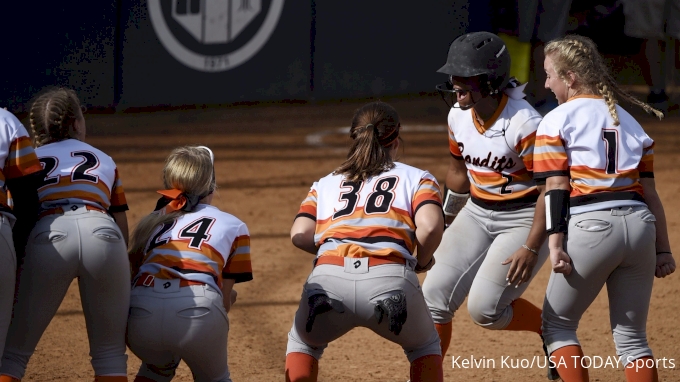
(375, 128)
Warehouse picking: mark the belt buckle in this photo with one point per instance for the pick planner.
(148, 280)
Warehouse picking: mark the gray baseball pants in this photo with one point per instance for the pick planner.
(614, 247)
(468, 261)
(358, 294)
(8, 269)
(169, 323)
(83, 244)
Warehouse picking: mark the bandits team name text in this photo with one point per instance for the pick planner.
(595, 362)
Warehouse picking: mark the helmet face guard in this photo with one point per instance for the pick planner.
(450, 95)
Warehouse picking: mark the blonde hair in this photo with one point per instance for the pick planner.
(375, 127)
(52, 116)
(579, 55)
(188, 169)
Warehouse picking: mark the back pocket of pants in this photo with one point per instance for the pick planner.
(593, 225)
(194, 312)
(49, 237)
(137, 312)
(107, 234)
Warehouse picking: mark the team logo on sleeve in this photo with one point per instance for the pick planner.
(214, 35)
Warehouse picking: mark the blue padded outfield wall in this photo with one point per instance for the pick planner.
(167, 53)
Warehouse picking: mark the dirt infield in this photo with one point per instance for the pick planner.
(266, 159)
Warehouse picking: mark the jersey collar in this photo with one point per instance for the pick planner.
(488, 123)
(591, 96)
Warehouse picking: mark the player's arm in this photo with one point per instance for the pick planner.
(457, 188)
(429, 230)
(227, 289)
(302, 234)
(665, 264)
(24, 192)
(122, 223)
(523, 260)
(558, 208)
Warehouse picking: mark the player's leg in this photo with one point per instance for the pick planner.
(204, 316)
(104, 282)
(645, 20)
(145, 337)
(50, 265)
(493, 304)
(8, 266)
(592, 245)
(458, 259)
(329, 294)
(629, 289)
(409, 322)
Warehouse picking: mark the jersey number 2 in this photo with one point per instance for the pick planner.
(79, 172)
(378, 201)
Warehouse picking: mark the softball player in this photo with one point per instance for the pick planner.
(598, 162)
(186, 257)
(363, 222)
(19, 172)
(81, 232)
(495, 245)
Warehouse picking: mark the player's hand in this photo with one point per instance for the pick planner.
(665, 264)
(560, 261)
(233, 296)
(422, 268)
(522, 264)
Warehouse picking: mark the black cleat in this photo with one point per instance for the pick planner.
(553, 375)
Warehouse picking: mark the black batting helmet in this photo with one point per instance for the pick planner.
(479, 53)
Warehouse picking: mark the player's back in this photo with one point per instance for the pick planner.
(78, 173)
(370, 218)
(203, 245)
(604, 161)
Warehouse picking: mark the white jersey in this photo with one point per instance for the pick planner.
(76, 172)
(371, 218)
(498, 155)
(17, 157)
(604, 162)
(205, 245)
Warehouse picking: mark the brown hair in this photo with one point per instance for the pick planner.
(188, 169)
(52, 116)
(375, 127)
(579, 55)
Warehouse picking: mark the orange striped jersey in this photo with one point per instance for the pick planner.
(76, 172)
(205, 245)
(370, 218)
(17, 156)
(499, 154)
(604, 162)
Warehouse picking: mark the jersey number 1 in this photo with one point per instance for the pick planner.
(610, 145)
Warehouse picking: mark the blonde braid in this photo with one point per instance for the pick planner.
(610, 99)
(579, 55)
(52, 115)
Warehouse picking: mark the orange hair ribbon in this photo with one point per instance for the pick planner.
(177, 200)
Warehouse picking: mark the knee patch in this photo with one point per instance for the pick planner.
(394, 309)
(319, 304)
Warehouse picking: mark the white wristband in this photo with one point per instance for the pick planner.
(454, 202)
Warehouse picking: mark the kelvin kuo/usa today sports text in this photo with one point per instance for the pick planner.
(541, 362)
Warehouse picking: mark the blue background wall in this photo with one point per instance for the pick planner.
(111, 55)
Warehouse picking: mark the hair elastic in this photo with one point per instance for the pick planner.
(212, 157)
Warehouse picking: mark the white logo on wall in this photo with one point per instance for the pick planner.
(214, 35)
